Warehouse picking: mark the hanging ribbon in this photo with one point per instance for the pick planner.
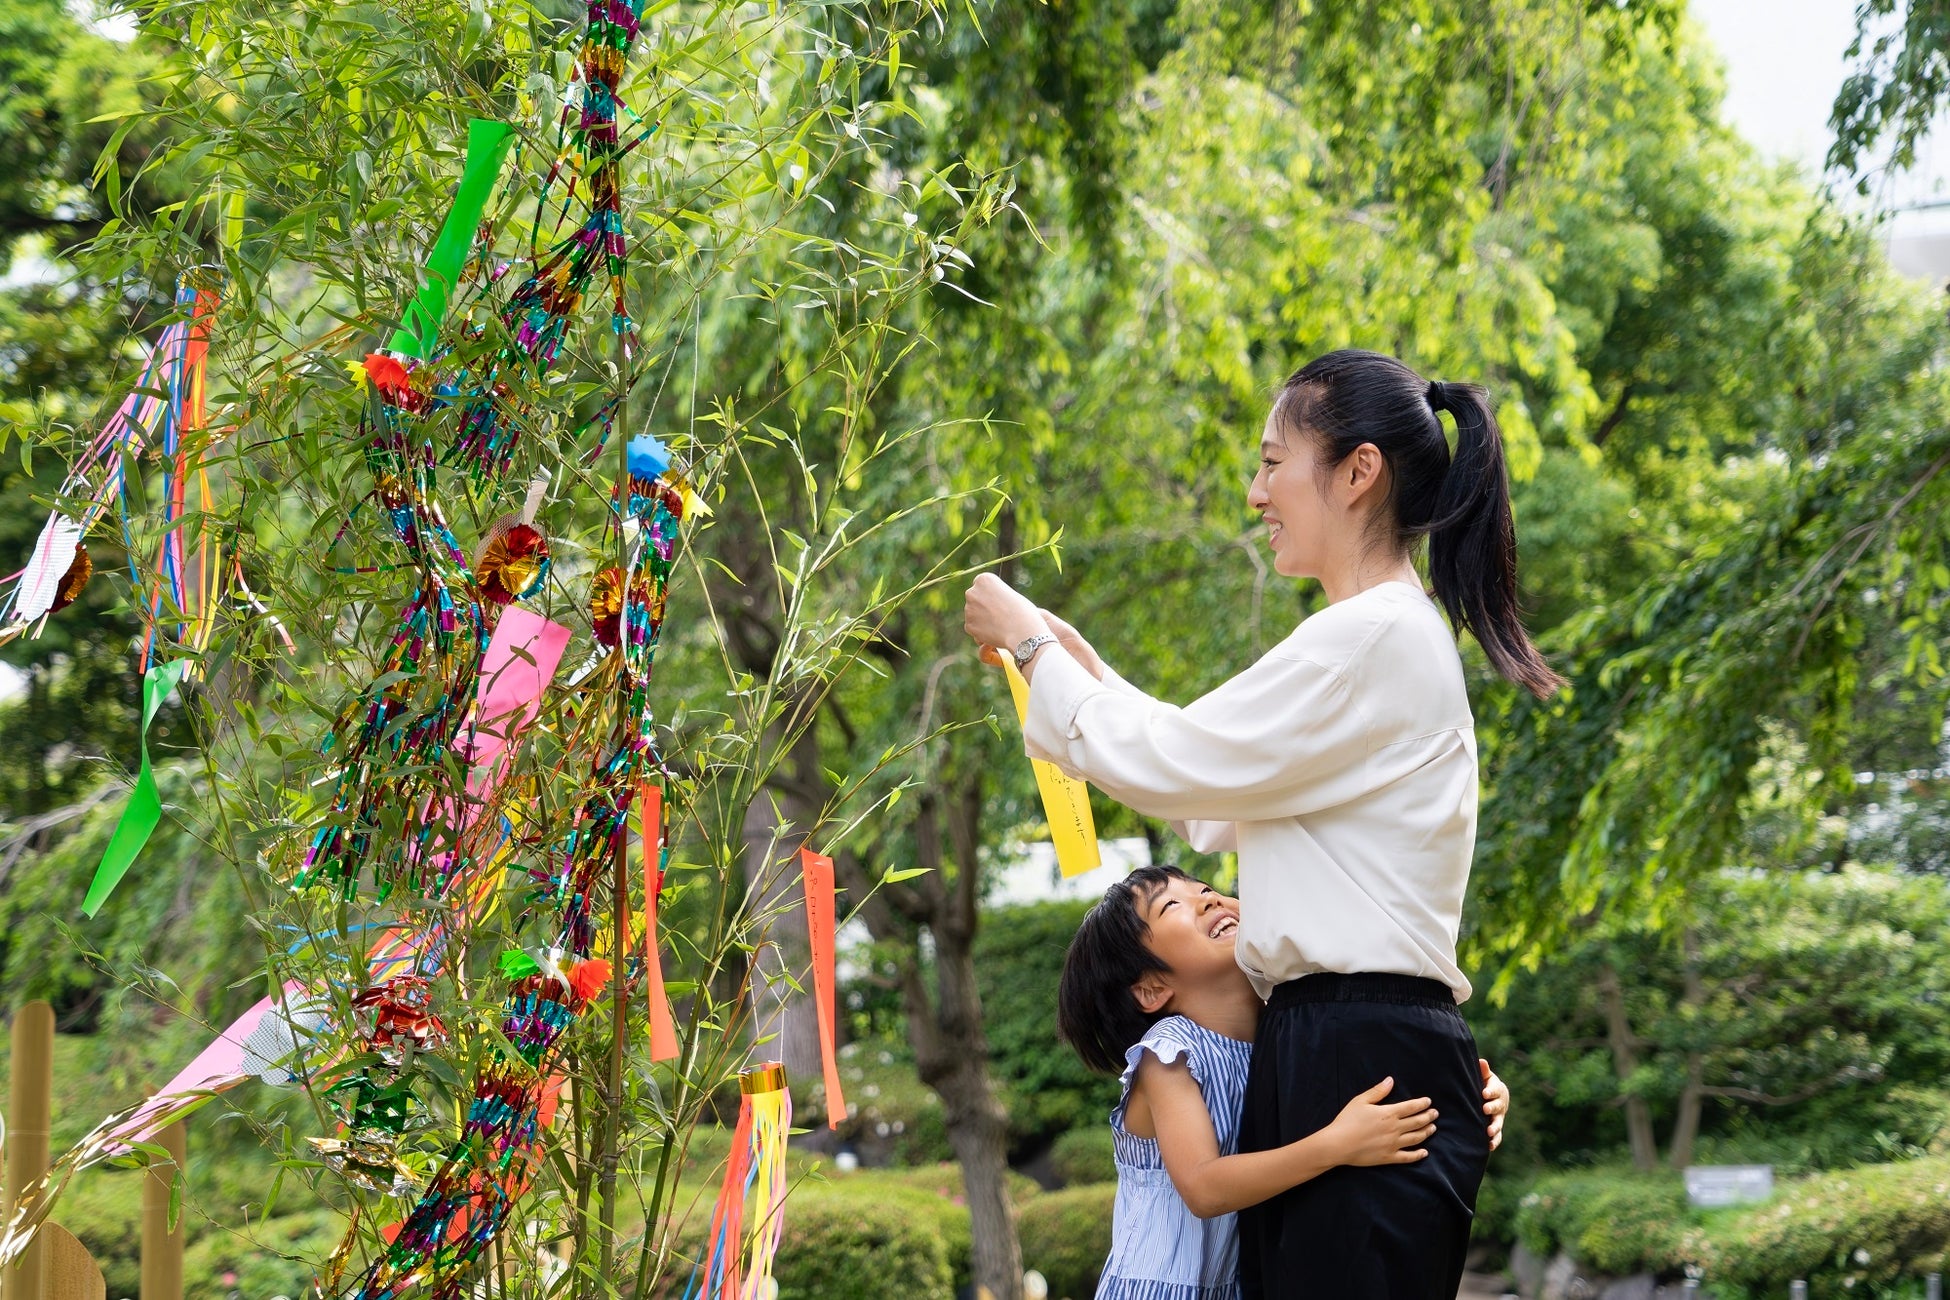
(738, 1264)
(487, 148)
(663, 1028)
(144, 808)
(1066, 800)
(817, 870)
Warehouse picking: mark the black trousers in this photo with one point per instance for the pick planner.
(1392, 1232)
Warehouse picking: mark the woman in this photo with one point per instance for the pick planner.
(1342, 768)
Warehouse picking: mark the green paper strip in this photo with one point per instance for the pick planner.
(144, 808)
(487, 148)
(518, 965)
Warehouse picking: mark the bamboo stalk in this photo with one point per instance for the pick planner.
(612, 1119)
(29, 1116)
(162, 1245)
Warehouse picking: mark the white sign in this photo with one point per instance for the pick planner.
(1710, 1187)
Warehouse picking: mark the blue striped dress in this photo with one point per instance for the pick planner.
(1159, 1249)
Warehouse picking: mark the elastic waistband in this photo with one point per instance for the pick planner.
(1332, 986)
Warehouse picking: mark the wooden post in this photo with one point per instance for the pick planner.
(162, 1246)
(28, 1120)
(72, 1273)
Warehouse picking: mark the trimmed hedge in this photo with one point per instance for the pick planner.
(863, 1247)
(1618, 1223)
(1066, 1237)
(1873, 1225)
(1084, 1155)
(1864, 1228)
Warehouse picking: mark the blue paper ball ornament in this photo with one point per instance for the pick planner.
(648, 458)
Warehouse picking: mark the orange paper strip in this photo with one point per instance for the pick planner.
(663, 1029)
(818, 870)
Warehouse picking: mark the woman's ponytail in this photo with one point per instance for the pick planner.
(1473, 541)
(1461, 503)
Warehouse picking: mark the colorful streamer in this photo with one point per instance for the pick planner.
(738, 1263)
(549, 988)
(166, 402)
(521, 662)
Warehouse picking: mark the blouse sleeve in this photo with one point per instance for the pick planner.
(1209, 837)
(1205, 837)
(1282, 739)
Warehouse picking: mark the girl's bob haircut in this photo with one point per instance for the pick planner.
(1096, 1012)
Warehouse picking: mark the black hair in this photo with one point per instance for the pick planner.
(1096, 1012)
(1461, 504)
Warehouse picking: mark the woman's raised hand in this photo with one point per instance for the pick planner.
(998, 616)
(1369, 1131)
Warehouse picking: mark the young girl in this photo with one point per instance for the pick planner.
(1151, 991)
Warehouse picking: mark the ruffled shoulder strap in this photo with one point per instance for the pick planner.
(1168, 1040)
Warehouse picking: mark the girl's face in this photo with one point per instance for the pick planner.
(1286, 495)
(1192, 928)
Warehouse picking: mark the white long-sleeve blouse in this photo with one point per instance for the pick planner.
(1341, 767)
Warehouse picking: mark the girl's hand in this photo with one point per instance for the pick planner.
(1369, 1132)
(1496, 1101)
(998, 616)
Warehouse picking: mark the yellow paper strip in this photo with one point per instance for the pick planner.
(1066, 800)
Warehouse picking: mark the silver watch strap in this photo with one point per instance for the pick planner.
(1027, 650)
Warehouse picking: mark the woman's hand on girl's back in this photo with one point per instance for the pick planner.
(1370, 1131)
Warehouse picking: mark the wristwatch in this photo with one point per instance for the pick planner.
(1027, 650)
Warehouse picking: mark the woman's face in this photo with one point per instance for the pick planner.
(1286, 495)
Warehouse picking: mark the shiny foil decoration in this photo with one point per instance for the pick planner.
(606, 606)
(512, 565)
(73, 580)
(402, 1015)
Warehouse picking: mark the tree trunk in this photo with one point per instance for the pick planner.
(789, 1017)
(1685, 1129)
(1692, 1098)
(1625, 1062)
(952, 1055)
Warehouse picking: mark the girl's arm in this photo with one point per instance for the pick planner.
(1367, 1132)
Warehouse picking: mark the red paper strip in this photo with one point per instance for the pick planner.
(818, 870)
(663, 1029)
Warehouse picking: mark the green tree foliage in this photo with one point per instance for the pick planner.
(1897, 89)
(1804, 1012)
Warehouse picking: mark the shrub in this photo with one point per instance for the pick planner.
(862, 1247)
(1870, 1226)
(1084, 1155)
(1497, 1203)
(1018, 958)
(1612, 1220)
(927, 1202)
(1066, 1237)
